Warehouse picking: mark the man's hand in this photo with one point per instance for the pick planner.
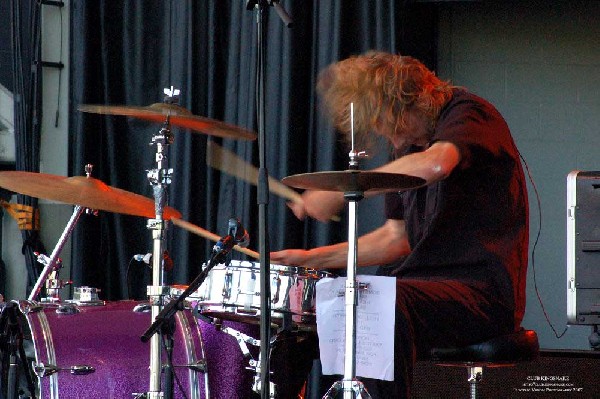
(320, 205)
(290, 257)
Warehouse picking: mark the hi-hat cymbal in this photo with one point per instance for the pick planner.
(80, 190)
(178, 116)
(353, 180)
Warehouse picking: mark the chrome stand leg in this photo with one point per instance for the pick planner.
(351, 387)
(475, 374)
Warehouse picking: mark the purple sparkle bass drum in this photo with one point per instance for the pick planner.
(96, 351)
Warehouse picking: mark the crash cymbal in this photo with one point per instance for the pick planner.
(178, 116)
(80, 190)
(353, 180)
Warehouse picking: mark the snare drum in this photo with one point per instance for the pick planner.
(233, 293)
(107, 339)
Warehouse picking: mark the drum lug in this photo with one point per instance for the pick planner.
(227, 285)
(242, 340)
(308, 295)
(198, 366)
(275, 286)
(142, 307)
(82, 370)
(45, 370)
(27, 307)
(67, 309)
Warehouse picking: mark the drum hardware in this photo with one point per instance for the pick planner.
(232, 293)
(84, 192)
(160, 178)
(219, 253)
(227, 285)
(45, 370)
(105, 338)
(359, 287)
(163, 319)
(67, 309)
(285, 383)
(353, 183)
(178, 116)
(168, 113)
(53, 284)
(279, 384)
(347, 180)
(192, 228)
(142, 308)
(275, 286)
(26, 307)
(86, 296)
(87, 192)
(257, 382)
(52, 264)
(12, 351)
(243, 341)
(199, 366)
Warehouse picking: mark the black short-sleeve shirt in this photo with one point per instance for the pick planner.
(474, 223)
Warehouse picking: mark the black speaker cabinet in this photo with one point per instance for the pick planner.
(583, 248)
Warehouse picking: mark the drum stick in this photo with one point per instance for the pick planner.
(192, 228)
(226, 161)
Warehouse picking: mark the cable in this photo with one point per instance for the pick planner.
(170, 354)
(128, 278)
(539, 206)
(60, 57)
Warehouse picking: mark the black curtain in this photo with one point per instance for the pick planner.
(126, 52)
(27, 68)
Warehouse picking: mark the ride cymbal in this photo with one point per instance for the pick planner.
(84, 191)
(178, 116)
(353, 180)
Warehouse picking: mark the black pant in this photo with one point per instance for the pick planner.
(437, 312)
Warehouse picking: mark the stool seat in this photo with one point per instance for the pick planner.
(505, 349)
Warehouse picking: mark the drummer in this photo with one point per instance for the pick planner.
(457, 246)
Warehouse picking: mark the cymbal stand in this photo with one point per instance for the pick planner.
(165, 317)
(351, 387)
(159, 178)
(52, 262)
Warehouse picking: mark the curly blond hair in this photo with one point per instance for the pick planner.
(382, 87)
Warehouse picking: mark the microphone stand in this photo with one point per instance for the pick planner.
(263, 190)
(164, 321)
(218, 256)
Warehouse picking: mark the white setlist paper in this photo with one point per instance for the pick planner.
(374, 326)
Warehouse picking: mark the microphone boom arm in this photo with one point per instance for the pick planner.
(220, 251)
